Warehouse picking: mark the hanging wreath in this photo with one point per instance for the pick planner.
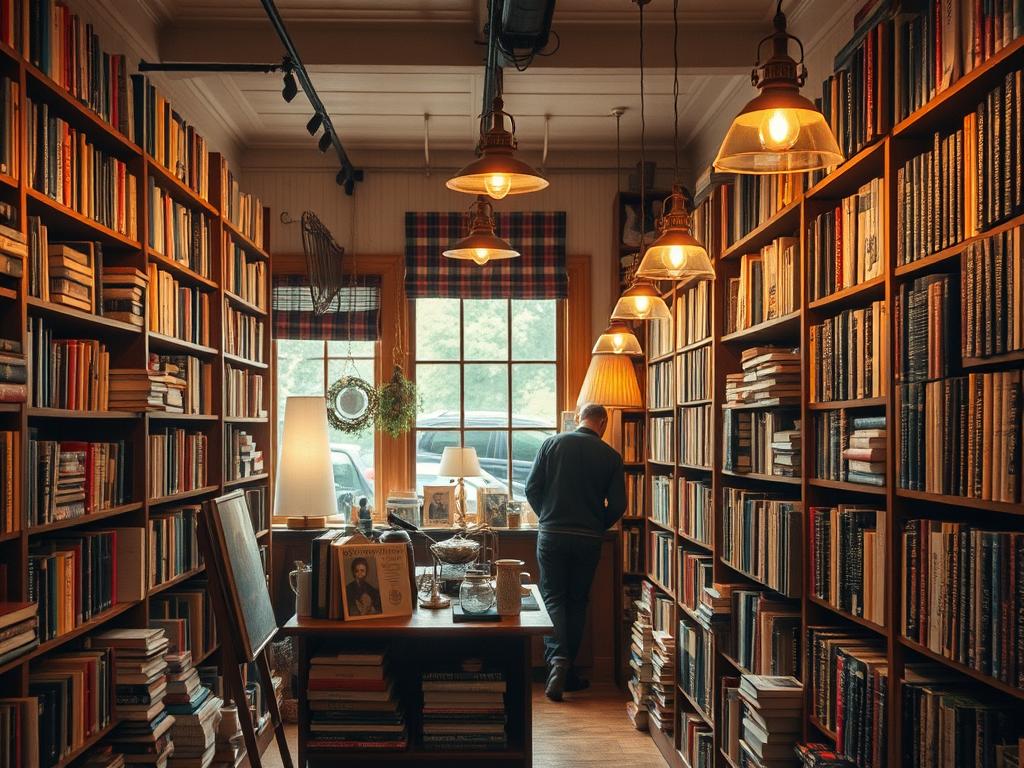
(397, 404)
(351, 404)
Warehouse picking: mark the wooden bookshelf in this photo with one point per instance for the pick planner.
(130, 347)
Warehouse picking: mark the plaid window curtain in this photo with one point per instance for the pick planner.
(354, 315)
(538, 273)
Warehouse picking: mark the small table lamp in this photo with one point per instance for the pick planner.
(460, 463)
(304, 491)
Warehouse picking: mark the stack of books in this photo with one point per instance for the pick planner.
(353, 705)
(140, 687)
(243, 458)
(464, 710)
(13, 253)
(195, 709)
(663, 675)
(140, 389)
(13, 372)
(772, 720)
(229, 747)
(786, 451)
(771, 375)
(640, 649)
(72, 275)
(103, 756)
(124, 294)
(19, 629)
(196, 375)
(866, 455)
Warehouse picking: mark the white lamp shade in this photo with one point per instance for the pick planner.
(305, 478)
(459, 462)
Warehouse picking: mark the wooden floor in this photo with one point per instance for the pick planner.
(586, 730)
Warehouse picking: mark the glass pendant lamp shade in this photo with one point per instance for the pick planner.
(497, 172)
(481, 244)
(641, 301)
(676, 254)
(611, 382)
(778, 131)
(617, 339)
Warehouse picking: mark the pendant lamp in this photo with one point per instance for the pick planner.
(779, 131)
(617, 339)
(611, 382)
(641, 301)
(481, 244)
(497, 172)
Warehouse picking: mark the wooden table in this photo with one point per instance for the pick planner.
(414, 642)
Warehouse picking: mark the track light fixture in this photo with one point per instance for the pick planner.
(325, 142)
(314, 124)
(291, 88)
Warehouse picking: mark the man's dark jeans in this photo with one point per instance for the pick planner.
(567, 566)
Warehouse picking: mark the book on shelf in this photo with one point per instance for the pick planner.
(243, 335)
(767, 373)
(662, 554)
(961, 436)
(243, 393)
(143, 389)
(846, 245)
(178, 232)
(696, 664)
(925, 327)
(178, 310)
(173, 546)
(695, 437)
(840, 438)
(663, 688)
(256, 498)
(963, 595)
(767, 286)
(195, 376)
(71, 705)
(635, 485)
(661, 500)
(693, 313)
(660, 384)
(757, 198)
(848, 552)
(20, 716)
(731, 718)
(817, 754)
(11, 514)
(68, 479)
(764, 632)
(660, 439)
(761, 537)
(191, 604)
(771, 717)
(849, 355)
(178, 461)
(242, 458)
(991, 280)
(695, 573)
(659, 338)
(696, 740)
(462, 710)
(765, 442)
(849, 680)
(658, 605)
(628, 437)
(19, 629)
(123, 292)
(243, 210)
(244, 277)
(696, 509)
(66, 373)
(694, 377)
(10, 119)
(632, 549)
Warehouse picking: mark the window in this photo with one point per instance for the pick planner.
(309, 368)
(487, 371)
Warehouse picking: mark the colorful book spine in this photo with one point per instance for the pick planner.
(178, 232)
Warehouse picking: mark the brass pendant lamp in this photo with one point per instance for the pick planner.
(779, 131)
(617, 339)
(481, 244)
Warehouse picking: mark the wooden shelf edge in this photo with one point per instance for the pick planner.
(774, 226)
(999, 507)
(180, 344)
(191, 197)
(839, 299)
(100, 231)
(243, 240)
(842, 485)
(99, 322)
(181, 270)
(866, 623)
(237, 360)
(981, 677)
(67, 413)
(243, 480)
(838, 405)
(755, 332)
(72, 522)
(182, 496)
(156, 589)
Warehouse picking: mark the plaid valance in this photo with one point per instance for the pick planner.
(354, 315)
(538, 273)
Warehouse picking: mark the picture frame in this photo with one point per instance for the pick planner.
(438, 506)
(374, 579)
(568, 422)
(492, 507)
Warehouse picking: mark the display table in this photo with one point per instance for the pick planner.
(413, 644)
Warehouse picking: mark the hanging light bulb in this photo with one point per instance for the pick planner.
(497, 172)
(617, 339)
(641, 301)
(676, 254)
(481, 245)
(778, 131)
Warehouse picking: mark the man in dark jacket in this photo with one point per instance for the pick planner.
(578, 490)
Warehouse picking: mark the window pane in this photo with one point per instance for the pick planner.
(534, 400)
(437, 329)
(533, 329)
(486, 329)
(352, 349)
(486, 395)
(300, 371)
(358, 447)
(353, 476)
(429, 447)
(525, 445)
(492, 452)
(439, 387)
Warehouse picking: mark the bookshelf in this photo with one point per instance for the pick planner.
(130, 346)
(897, 504)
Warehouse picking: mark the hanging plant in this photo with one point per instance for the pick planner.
(351, 404)
(398, 403)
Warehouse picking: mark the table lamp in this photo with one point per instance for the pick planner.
(611, 382)
(460, 463)
(304, 493)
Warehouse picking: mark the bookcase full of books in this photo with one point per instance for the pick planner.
(834, 454)
(135, 378)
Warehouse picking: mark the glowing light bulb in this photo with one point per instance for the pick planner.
(675, 255)
(779, 130)
(481, 255)
(498, 185)
(618, 342)
(643, 305)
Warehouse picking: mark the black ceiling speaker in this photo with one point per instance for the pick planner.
(525, 24)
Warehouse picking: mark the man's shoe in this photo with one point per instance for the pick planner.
(575, 683)
(556, 682)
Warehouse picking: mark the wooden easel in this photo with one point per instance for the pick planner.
(236, 618)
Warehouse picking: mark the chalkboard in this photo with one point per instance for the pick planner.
(240, 569)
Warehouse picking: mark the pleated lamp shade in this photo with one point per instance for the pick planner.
(611, 382)
(305, 478)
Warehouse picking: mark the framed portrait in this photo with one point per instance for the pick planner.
(374, 578)
(438, 506)
(568, 422)
(492, 507)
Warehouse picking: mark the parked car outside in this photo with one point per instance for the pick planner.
(351, 477)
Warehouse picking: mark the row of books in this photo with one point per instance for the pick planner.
(19, 634)
(697, 664)
(695, 371)
(659, 338)
(757, 198)
(632, 440)
(196, 376)
(661, 500)
(190, 603)
(693, 313)
(850, 448)
(243, 394)
(69, 479)
(178, 310)
(660, 439)
(849, 355)
(10, 121)
(73, 374)
(961, 436)
(177, 462)
(663, 682)
(764, 631)
(769, 375)
(64, 273)
(635, 484)
(846, 245)
(68, 168)
(696, 740)
(242, 457)
(848, 555)
(243, 335)
(243, 210)
(10, 511)
(173, 546)
(662, 554)
(464, 709)
(925, 333)
(123, 292)
(695, 435)
(767, 287)
(710, 220)
(660, 392)
(696, 509)
(761, 537)
(695, 573)
(963, 595)
(991, 277)
(632, 549)
(765, 442)
(244, 277)
(178, 232)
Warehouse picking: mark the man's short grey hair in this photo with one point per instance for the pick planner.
(593, 411)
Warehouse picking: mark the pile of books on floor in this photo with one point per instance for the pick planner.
(663, 681)
(818, 755)
(141, 389)
(640, 650)
(229, 747)
(772, 720)
(866, 455)
(140, 688)
(195, 709)
(353, 704)
(124, 294)
(464, 710)
(19, 629)
(769, 374)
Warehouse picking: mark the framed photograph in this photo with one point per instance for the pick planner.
(492, 507)
(438, 506)
(568, 422)
(375, 579)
